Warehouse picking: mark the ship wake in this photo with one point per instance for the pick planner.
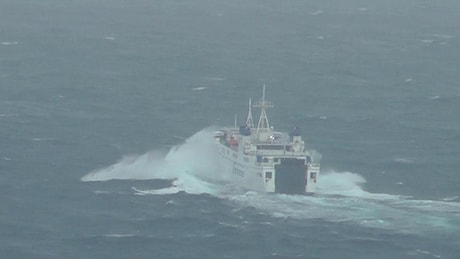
(340, 197)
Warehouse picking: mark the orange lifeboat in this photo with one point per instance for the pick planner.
(232, 141)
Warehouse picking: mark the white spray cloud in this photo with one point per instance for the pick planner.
(187, 164)
(146, 166)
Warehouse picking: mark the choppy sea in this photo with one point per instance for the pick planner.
(107, 109)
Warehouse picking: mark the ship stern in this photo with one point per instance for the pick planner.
(290, 176)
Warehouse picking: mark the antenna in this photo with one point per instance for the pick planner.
(249, 121)
(236, 120)
(263, 120)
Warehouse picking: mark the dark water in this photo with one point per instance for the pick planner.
(93, 95)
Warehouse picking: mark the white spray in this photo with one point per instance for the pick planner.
(187, 164)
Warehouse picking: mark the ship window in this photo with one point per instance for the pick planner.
(265, 159)
(276, 160)
(313, 175)
(268, 175)
(270, 147)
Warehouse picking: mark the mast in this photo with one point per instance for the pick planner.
(263, 125)
(249, 121)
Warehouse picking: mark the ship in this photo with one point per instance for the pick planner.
(257, 158)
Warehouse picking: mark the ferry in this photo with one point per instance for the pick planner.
(260, 159)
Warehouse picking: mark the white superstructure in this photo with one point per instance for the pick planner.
(260, 159)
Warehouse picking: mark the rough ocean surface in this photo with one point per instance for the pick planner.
(107, 109)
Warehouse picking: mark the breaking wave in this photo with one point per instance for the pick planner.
(340, 196)
(191, 165)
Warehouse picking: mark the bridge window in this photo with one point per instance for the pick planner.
(268, 175)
